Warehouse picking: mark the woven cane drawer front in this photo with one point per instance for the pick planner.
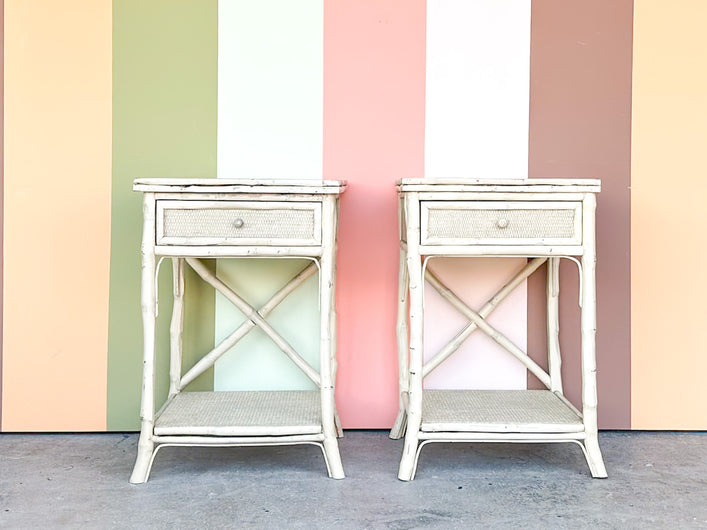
(238, 223)
(502, 223)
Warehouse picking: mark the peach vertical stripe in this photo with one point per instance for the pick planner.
(374, 98)
(58, 58)
(668, 216)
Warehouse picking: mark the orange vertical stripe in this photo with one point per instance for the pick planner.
(668, 216)
(57, 212)
(374, 97)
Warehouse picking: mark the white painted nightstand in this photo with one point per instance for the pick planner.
(191, 219)
(543, 220)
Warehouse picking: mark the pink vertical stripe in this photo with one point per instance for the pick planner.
(2, 174)
(374, 97)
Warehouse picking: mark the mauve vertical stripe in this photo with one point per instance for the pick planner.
(374, 98)
(580, 126)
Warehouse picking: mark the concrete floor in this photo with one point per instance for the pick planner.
(656, 480)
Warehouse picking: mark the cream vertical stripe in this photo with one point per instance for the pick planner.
(270, 89)
(58, 60)
(269, 126)
(476, 125)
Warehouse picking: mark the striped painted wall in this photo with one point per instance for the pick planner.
(98, 92)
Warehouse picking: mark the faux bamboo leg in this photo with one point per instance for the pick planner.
(334, 365)
(554, 358)
(414, 267)
(333, 324)
(588, 323)
(328, 263)
(402, 333)
(147, 406)
(176, 327)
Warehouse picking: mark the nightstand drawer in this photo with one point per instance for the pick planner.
(501, 223)
(258, 223)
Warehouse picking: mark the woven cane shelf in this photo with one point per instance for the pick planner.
(529, 411)
(241, 414)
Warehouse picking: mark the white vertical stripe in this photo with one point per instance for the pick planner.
(478, 88)
(270, 123)
(476, 125)
(270, 88)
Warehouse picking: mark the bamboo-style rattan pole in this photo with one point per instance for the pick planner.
(402, 335)
(176, 327)
(253, 315)
(554, 357)
(492, 332)
(147, 301)
(333, 323)
(485, 311)
(589, 326)
(414, 266)
(226, 344)
(326, 349)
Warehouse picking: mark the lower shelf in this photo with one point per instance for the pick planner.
(267, 413)
(496, 411)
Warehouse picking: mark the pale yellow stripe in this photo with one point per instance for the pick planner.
(58, 58)
(669, 216)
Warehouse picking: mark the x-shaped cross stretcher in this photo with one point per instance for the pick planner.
(477, 320)
(254, 318)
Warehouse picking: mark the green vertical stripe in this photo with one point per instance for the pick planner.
(164, 125)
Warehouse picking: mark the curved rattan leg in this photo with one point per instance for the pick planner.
(413, 375)
(408, 461)
(327, 359)
(145, 448)
(594, 458)
(148, 301)
(333, 458)
(402, 331)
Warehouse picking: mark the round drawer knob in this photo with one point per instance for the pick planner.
(238, 223)
(502, 223)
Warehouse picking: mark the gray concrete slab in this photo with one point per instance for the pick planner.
(656, 480)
